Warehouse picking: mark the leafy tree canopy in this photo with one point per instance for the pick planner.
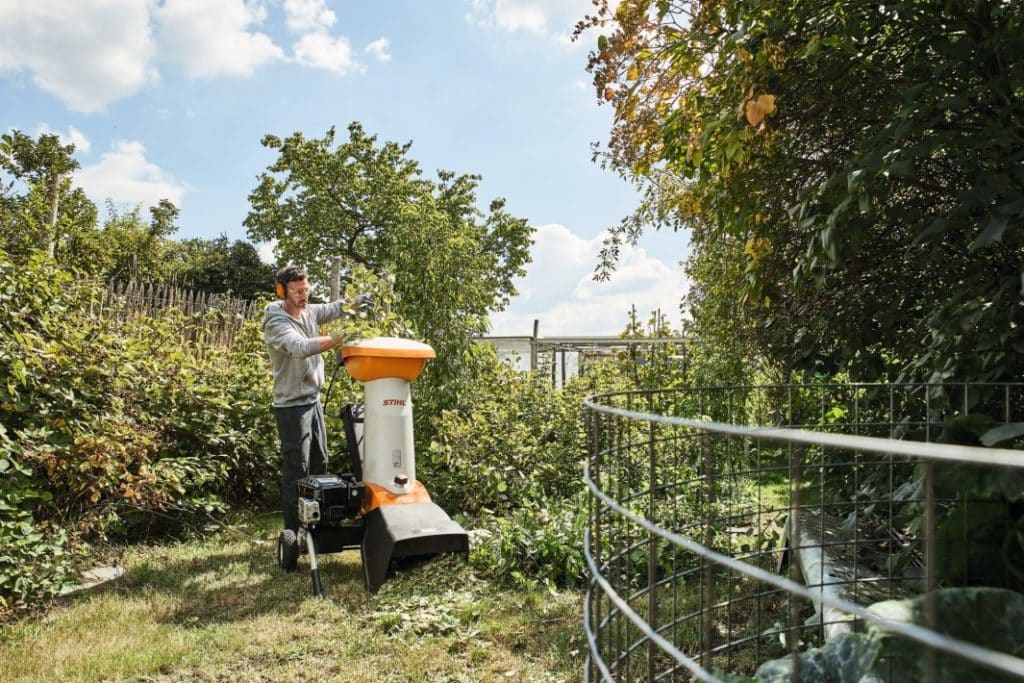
(852, 173)
(128, 247)
(224, 267)
(50, 211)
(41, 209)
(369, 203)
(36, 160)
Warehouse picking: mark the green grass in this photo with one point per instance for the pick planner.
(220, 609)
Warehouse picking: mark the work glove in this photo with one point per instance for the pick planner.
(363, 301)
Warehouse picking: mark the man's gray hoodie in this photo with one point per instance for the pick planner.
(295, 350)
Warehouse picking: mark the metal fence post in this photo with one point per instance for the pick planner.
(652, 549)
(708, 573)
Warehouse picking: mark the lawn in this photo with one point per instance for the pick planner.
(219, 608)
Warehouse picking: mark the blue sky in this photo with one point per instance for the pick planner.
(171, 98)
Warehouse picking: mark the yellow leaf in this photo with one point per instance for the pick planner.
(754, 113)
(757, 248)
(757, 109)
(609, 93)
(633, 73)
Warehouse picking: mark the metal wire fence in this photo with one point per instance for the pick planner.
(733, 530)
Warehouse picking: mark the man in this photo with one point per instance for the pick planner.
(291, 331)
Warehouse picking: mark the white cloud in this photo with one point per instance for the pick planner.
(72, 137)
(379, 49)
(78, 139)
(127, 177)
(91, 53)
(559, 289)
(319, 50)
(307, 15)
(87, 53)
(555, 19)
(515, 16)
(213, 37)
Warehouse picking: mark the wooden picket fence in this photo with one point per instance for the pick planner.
(211, 319)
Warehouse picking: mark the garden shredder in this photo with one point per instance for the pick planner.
(380, 506)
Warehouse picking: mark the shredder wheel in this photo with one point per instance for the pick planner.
(287, 551)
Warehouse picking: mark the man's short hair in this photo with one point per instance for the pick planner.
(290, 274)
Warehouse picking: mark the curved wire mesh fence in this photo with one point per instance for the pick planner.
(734, 528)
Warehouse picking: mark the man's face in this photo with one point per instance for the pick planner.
(297, 293)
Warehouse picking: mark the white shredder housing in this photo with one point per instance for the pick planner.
(387, 435)
(386, 366)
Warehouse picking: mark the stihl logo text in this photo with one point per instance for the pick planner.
(393, 402)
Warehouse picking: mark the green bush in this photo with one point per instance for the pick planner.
(111, 426)
(511, 457)
(33, 555)
(514, 439)
(535, 543)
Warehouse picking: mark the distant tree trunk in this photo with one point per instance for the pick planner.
(51, 248)
(335, 278)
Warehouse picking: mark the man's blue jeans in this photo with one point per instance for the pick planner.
(303, 452)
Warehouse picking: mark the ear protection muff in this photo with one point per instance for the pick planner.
(280, 291)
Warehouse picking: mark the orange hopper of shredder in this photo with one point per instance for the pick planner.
(385, 357)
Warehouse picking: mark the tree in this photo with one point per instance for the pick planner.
(130, 249)
(224, 267)
(370, 204)
(862, 161)
(35, 220)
